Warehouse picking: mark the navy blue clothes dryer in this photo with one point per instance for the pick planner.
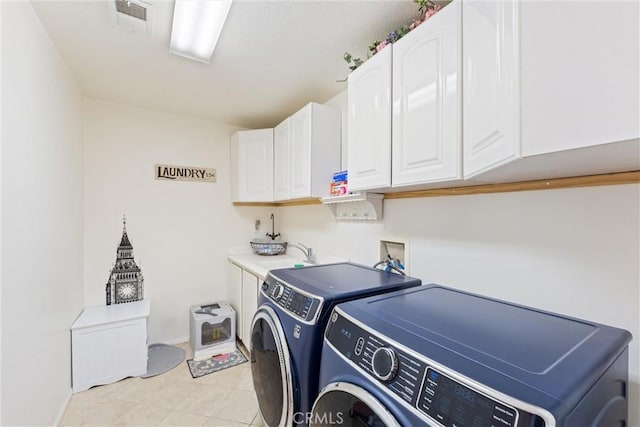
(287, 332)
(437, 356)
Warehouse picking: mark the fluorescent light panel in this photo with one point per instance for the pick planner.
(197, 25)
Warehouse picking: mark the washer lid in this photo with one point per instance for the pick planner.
(495, 342)
(342, 280)
(527, 339)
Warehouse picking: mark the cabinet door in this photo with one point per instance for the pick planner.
(249, 304)
(252, 156)
(426, 101)
(491, 132)
(369, 118)
(300, 153)
(235, 295)
(579, 88)
(281, 161)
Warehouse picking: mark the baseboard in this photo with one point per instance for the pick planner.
(63, 409)
(243, 349)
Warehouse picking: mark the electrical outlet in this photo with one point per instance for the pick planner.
(257, 225)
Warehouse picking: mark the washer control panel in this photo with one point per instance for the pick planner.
(290, 299)
(430, 393)
(399, 372)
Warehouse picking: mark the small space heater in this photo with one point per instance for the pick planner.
(213, 330)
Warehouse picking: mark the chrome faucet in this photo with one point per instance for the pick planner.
(273, 234)
(308, 252)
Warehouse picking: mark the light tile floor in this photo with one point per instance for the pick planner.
(222, 399)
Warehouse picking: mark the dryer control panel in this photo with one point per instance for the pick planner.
(414, 380)
(294, 301)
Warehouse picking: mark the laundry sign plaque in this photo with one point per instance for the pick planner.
(184, 173)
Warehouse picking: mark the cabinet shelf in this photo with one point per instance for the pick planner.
(616, 178)
(356, 206)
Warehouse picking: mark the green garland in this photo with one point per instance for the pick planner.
(427, 8)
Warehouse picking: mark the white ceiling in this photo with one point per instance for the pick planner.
(272, 57)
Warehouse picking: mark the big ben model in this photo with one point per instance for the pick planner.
(125, 282)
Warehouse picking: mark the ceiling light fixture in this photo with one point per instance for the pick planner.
(197, 24)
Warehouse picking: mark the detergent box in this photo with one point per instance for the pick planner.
(339, 184)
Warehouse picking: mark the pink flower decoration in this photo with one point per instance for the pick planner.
(381, 45)
(430, 12)
(415, 24)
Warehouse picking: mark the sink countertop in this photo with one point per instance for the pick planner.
(259, 264)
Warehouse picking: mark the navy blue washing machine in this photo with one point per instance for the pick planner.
(287, 331)
(438, 356)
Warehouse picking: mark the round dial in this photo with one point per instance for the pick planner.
(277, 291)
(127, 291)
(384, 363)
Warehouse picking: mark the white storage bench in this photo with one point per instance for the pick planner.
(109, 343)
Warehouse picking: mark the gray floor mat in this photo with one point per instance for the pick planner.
(162, 358)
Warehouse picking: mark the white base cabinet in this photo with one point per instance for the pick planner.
(235, 299)
(249, 304)
(546, 100)
(109, 343)
(244, 300)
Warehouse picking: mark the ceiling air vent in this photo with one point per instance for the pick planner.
(133, 15)
(131, 9)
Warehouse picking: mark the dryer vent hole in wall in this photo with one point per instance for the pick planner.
(393, 249)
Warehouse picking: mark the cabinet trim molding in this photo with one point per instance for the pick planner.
(541, 184)
(618, 178)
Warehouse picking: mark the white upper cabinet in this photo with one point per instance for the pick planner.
(300, 153)
(491, 107)
(281, 161)
(404, 109)
(252, 166)
(307, 152)
(369, 118)
(550, 89)
(426, 102)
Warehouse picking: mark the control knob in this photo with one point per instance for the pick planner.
(384, 363)
(277, 291)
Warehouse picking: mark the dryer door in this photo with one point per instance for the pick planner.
(271, 368)
(348, 405)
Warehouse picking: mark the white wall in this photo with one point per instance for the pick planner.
(573, 251)
(180, 231)
(41, 220)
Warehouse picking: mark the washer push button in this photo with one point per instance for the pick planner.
(359, 346)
